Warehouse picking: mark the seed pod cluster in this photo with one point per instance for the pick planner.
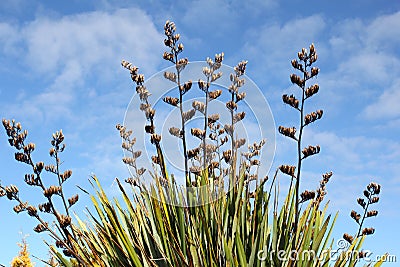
(287, 169)
(348, 238)
(312, 90)
(310, 150)
(291, 101)
(173, 101)
(313, 116)
(52, 190)
(40, 228)
(289, 132)
(72, 200)
(307, 195)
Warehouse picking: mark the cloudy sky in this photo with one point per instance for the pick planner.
(60, 69)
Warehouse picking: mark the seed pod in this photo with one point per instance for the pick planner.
(307, 195)
(170, 76)
(348, 238)
(64, 221)
(289, 132)
(175, 132)
(368, 231)
(188, 115)
(312, 90)
(227, 155)
(149, 129)
(372, 213)
(239, 116)
(155, 138)
(40, 228)
(52, 190)
(199, 106)
(287, 169)
(198, 133)
(355, 216)
(173, 101)
(291, 100)
(231, 105)
(215, 94)
(72, 200)
(45, 207)
(361, 202)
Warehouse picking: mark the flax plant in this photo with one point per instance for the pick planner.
(146, 227)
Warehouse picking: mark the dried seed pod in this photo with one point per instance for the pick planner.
(30, 180)
(239, 116)
(312, 90)
(193, 152)
(155, 160)
(307, 195)
(173, 101)
(131, 181)
(231, 105)
(48, 192)
(374, 200)
(215, 94)
(229, 129)
(198, 133)
(372, 213)
(188, 115)
(170, 76)
(297, 80)
(72, 200)
(361, 202)
(21, 157)
(240, 96)
(310, 150)
(32, 211)
(168, 56)
(255, 162)
(374, 188)
(212, 119)
(185, 87)
(155, 138)
(149, 129)
(20, 207)
(64, 176)
(195, 170)
(314, 71)
(64, 221)
(313, 116)
(291, 101)
(356, 216)
(199, 106)
(45, 207)
(40, 228)
(240, 68)
(227, 155)
(368, 231)
(287, 169)
(348, 238)
(240, 142)
(289, 132)
(216, 76)
(176, 132)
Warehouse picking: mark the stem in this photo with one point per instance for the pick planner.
(178, 72)
(299, 157)
(363, 217)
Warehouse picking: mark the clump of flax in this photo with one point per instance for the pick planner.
(371, 196)
(149, 112)
(63, 233)
(175, 49)
(304, 64)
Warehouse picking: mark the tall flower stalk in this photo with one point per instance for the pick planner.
(304, 65)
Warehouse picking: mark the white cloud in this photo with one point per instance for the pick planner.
(387, 104)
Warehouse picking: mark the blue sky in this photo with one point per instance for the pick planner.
(60, 69)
